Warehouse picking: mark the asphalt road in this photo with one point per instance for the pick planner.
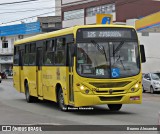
(15, 110)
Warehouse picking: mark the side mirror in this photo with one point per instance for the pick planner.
(148, 78)
(142, 51)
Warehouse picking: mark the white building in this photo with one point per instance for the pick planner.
(9, 34)
(57, 7)
(148, 29)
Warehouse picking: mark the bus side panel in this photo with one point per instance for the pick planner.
(30, 75)
(62, 76)
(51, 76)
(48, 82)
(22, 80)
(16, 77)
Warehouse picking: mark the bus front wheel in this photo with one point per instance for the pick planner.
(114, 107)
(61, 103)
(29, 98)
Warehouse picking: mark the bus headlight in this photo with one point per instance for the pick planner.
(137, 85)
(135, 88)
(84, 89)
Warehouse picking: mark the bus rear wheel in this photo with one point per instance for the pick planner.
(61, 103)
(29, 98)
(114, 107)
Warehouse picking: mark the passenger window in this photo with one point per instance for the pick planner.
(26, 56)
(32, 54)
(49, 52)
(16, 55)
(60, 57)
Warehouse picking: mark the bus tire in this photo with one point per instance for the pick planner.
(114, 107)
(29, 98)
(61, 104)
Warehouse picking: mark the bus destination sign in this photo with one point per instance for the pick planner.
(107, 34)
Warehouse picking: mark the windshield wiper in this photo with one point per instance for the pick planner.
(119, 59)
(118, 47)
(100, 48)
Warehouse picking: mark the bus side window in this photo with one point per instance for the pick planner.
(49, 52)
(26, 56)
(60, 55)
(16, 55)
(32, 54)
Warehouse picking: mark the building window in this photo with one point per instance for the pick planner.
(45, 25)
(75, 14)
(51, 24)
(103, 9)
(4, 44)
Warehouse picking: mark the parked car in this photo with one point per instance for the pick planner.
(0, 79)
(8, 72)
(151, 82)
(3, 75)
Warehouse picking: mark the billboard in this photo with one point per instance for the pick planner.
(20, 29)
(104, 18)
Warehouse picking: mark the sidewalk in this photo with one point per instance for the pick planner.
(9, 77)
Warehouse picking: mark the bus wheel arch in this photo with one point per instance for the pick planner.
(60, 97)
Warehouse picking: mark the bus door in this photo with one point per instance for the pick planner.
(21, 72)
(39, 71)
(71, 63)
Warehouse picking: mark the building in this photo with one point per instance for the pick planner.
(57, 7)
(50, 23)
(11, 33)
(80, 12)
(149, 35)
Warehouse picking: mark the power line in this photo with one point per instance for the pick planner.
(112, 1)
(26, 3)
(28, 10)
(27, 17)
(18, 2)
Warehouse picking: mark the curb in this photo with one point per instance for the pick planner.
(159, 119)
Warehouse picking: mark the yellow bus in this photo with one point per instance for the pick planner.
(81, 66)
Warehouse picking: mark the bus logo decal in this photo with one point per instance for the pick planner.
(110, 91)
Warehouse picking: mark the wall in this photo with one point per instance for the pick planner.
(57, 6)
(152, 50)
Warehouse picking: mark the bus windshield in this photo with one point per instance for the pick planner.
(113, 59)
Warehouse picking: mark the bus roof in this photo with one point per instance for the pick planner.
(63, 32)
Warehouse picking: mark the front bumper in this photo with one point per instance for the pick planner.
(90, 100)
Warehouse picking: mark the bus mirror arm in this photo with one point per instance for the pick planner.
(142, 51)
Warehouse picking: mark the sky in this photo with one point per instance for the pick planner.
(16, 11)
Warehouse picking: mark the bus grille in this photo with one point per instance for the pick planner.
(115, 98)
(110, 84)
(114, 91)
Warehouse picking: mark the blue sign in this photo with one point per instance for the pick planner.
(20, 29)
(106, 20)
(115, 72)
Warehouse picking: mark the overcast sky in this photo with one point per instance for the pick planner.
(11, 12)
